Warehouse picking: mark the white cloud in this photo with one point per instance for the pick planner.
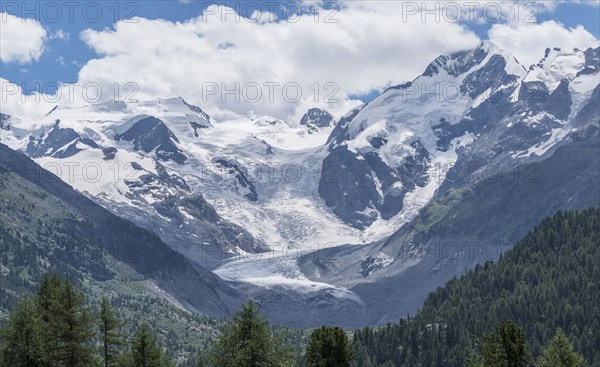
(61, 35)
(527, 42)
(364, 46)
(22, 39)
(29, 107)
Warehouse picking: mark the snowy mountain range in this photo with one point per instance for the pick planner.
(261, 202)
(479, 107)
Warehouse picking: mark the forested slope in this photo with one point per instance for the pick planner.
(549, 280)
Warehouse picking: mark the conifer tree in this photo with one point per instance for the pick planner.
(560, 353)
(329, 347)
(506, 347)
(110, 333)
(48, 304)
(66, 322)
(22, 341)
(74, 326)
(145, 350)
(247, 342)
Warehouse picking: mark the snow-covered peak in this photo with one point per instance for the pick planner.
(316, 118)
(557, 65)
(490, 46)
(461, 63)
(176, 105)
(103, 121)
(451, 87)
(177, 111)
(513, 66)
(384, 154)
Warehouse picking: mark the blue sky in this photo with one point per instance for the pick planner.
(63, 57)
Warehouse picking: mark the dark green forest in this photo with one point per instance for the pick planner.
(549, 280)
(56, 327)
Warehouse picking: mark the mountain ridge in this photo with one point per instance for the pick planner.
(256, 189)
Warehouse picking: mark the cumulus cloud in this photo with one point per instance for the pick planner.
(22, 39)
(527, 42)
(231, 65)
(362, 47)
